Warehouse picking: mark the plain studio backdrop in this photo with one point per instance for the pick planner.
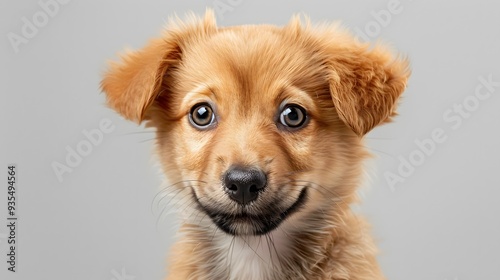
(433, 199)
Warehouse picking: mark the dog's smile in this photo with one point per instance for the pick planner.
(245, 223)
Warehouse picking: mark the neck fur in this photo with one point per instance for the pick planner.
(289, 252)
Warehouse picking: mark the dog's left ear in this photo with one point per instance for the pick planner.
(133, 84)
(365, 83)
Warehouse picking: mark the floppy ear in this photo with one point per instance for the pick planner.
(133, 84)
(365, 84)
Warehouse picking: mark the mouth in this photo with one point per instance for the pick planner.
(245, 223)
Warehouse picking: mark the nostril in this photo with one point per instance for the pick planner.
(253, 189)
(233, 187)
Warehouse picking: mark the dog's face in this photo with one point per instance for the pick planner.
(258, 124)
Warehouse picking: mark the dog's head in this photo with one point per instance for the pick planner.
(258, 122)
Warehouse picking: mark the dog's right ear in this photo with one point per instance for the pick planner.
(133, 84)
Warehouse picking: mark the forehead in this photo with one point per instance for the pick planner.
(251, 62)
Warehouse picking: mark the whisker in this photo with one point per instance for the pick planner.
(228, 258)
(270, 252)
(137, 132)
(275, 250)
(257, 254)
(183, 204)
(213, 235)
(382, 152)
(147, 140)
(161, 215)
(380, 138)
(190, 186)
(170, 188)
(330, 191)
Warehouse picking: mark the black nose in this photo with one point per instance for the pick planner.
(244, 184)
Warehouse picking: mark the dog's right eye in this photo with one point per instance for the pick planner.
(293, 116)
(201, 116)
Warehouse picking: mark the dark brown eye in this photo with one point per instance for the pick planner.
(201, 116)
(293, 116)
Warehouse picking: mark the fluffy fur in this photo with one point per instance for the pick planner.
(247, 72)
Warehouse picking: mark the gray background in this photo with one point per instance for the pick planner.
(442, 222)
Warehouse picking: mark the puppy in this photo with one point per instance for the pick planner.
(259, 131)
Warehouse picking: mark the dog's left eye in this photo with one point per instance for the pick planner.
(201, 116)
(293, 116)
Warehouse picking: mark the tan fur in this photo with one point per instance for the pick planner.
(247, 72)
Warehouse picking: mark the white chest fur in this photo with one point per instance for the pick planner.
(252, 257)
